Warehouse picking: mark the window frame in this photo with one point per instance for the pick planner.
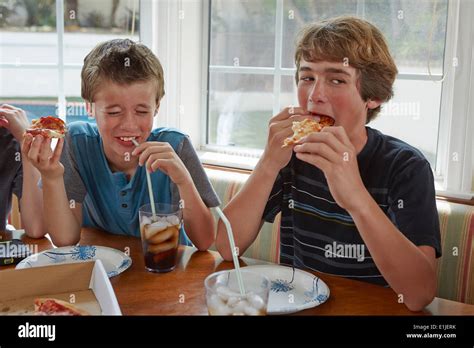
(455, 177)
(277, 71)
(60, 66)
(161, 30)
(452, 180)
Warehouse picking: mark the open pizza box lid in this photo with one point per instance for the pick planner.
(85, 284)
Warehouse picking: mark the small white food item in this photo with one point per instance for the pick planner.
(228, 302)
(152, 229)
(256, 301)
(240, 306)
(232, 301)
(224, 293)
(145, 220)
(249, 310)
(172, 220)
(218, 306)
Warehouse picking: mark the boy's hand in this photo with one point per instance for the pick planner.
(331, 151)
(274, 156)
(14, 119)
(161, 156)
(37, 151)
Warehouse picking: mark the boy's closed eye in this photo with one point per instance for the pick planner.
(143, 112)
(112, 111)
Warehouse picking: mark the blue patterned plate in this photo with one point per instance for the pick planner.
(114, 261)
(292, 290)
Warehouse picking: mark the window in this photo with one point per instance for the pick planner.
(42, 54)
(251, 68)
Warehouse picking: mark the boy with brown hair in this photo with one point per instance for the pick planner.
(353, 201)
(99, 179)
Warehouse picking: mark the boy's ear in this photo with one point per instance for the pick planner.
(372, 104)
(90, 108)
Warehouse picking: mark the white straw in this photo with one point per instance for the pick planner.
(232, 248)
(150, 189)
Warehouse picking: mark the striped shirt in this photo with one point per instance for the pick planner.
(317, 234)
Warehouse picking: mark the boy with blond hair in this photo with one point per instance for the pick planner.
(99, 180)
(353, 201)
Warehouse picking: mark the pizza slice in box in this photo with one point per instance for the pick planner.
(52, 306)
(307, 126)
(48, 127)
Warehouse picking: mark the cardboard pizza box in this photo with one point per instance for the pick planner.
(84, 284)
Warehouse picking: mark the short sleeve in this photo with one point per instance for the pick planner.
(273, 206)
(188, 155)
(412, 205)
(73, 183)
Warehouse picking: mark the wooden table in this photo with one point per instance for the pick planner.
(182, 292)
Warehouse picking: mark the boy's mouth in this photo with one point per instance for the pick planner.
(318, 115)
(126, 141)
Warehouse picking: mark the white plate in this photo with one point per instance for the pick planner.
(114, 261)
(292, 289)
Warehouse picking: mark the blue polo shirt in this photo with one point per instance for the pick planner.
(109, 200)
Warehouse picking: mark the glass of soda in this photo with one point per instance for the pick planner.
(160, 235)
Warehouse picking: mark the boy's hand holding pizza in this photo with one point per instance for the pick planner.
(280, 128)
(331, 151)
(36, 147)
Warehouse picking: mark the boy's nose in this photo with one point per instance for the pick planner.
(129, 122)
(317, 93)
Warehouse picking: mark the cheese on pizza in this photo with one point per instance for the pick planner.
(307, 126)
(48, 127)
(52, 306)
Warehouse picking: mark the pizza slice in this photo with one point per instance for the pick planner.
(307, 126)
(52, 306)
(48, 127)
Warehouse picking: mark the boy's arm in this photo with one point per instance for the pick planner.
(408, 269)
(61, 223)
(31, 202)
(245, 210)
(195, 194)
(198, 220)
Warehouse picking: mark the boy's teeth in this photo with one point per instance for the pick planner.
(127, 138)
